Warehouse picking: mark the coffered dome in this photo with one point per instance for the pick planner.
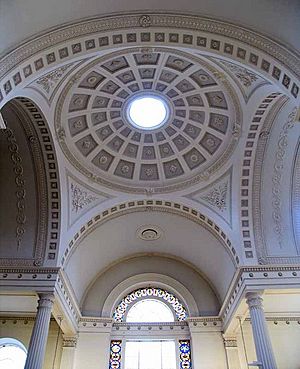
(193, 139)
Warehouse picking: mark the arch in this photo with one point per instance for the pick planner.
(88, 37)
(151, 205)
(140, 294)
(31, 150)
(275, 141)
(142, 280)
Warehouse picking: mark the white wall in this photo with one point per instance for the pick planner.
(21, 329)
(285, 340)
(92, 351)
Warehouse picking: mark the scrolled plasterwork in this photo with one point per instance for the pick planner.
(244, 75)
(80, 198)
(20, 183)
(48, 81)
(295, 197)
(218, 196)
(282, 144)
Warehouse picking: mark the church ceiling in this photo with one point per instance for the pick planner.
(98, 138)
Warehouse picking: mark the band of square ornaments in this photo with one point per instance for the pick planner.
(207, 37)
(52, 180)
(151, 205)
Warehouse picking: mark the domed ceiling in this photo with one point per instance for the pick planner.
(194, 141)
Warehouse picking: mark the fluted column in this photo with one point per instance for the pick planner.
(264, 351)
(38, 340)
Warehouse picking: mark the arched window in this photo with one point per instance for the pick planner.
(155, 295)
(157, 308)
(12, 354)
(149, 311)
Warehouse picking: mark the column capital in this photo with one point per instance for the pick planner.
(45, 300)
(230, 342)
(254, 299)
(70, 341)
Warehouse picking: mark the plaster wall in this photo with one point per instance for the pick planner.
(92, 351)
(208, 350)
(21, 329)
(285, 340)
(205, 297)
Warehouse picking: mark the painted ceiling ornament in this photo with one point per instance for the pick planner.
(96, 131)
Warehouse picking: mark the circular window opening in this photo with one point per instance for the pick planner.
(148, 112)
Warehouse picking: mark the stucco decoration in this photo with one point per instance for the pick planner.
(203, 34)
(48, 83)
(30, 169)
(247, 80)
(272, 209)
(97, 137)
(296, 197)
(217, 196)
(82, 198)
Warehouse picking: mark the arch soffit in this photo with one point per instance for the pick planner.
(40, 139)
(88, 37)
(277, 195)
(151, 205)
(145, 280)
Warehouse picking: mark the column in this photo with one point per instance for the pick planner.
(38, 340)
(68, 352)
(232, 354)
(264, 351)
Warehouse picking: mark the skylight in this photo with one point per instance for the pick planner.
(147, 112)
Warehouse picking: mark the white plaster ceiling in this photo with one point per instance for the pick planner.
(279, 19)
(181, 238)
(100, 140)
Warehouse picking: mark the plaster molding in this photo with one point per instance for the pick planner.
(295, 197)
(16, 160)
(46, 166)
(82, 198)
(257, 278)
(115, 22)
(250, 182)
(110, 180)
(247, 81)
(260, 242)
(151, 205)
(144, 280)
(217, 196)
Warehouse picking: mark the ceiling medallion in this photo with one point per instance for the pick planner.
(149, 233)
(183, 130)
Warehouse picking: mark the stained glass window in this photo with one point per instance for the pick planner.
(154, 293)
(185, 354)
(115, 354)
